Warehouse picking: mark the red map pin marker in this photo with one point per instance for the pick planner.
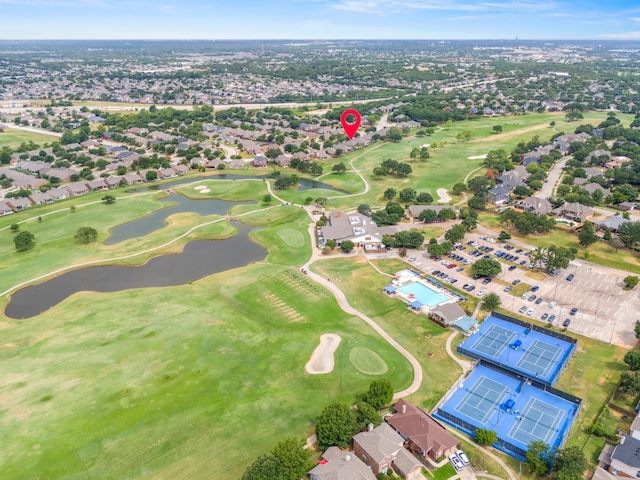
(350, 128)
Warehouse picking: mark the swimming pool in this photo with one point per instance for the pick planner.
(423, 294)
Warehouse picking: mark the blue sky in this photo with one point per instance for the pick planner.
(319, 19)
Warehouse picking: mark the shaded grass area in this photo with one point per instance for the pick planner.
(191, 380)
(363, 287)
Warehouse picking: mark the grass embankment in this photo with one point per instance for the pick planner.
(12, 138)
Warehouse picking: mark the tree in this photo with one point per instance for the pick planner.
(485, 436)
(435, 249)
(151, 175)
(630, 383)
(109, 199)
(486, 267)
(447, 214)
(86, 235)
(389, 193)
(458, 188)
(636, 329)
(504, 236)
(632, 358)
(569, 463)
(469, 223)
(497, 128)
(331, 243)
(537, 457)
(407, 195)
(571, 116)
(347, 246)
(455, 233)
(587, 235)
(336, 425)
(477, 202)
(428, 215)
(424, 198)
(607, 235)
(267, 199)
(630, 281)
(339, 168)
(379, 394)
(491, 301)
(264, 468)
(424, 154)
(364, 209)
(366, 414)
(394, 134)
(293, 458)
(15, 227)
(409, 239)
(24, 241)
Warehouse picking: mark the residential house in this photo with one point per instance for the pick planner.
(180, 169)
(603, 155)
(539, 206)
(627, 206)
(283, 160)
(574, 211)
(77, 188)
(612, 223)
(625, 458)
(98, 184)
(593, 172)
(592, 187)
(39, 198)
(113, 181)
(215, 163)
(423, 435)
(499, 195)
(414, 211)
(337, 464)
(132, 178)
(360, 229)
(5, 208)
(18, 203)
(58, 193)
(236, 163)
(259, 161)
(510, 180)
(617, 161)
(167, 173)
(382, 448)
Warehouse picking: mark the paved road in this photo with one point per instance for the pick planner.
(552, 179)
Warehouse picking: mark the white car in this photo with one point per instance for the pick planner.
(530, 312)
(551, 304)
(457, 463)
(525, 295)
(463, 458)
(482, 292)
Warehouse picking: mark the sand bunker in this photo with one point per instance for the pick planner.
(478, 157)
(322, 360)
(199, 187)
(205, 190)
(425, 145)
(444, 196)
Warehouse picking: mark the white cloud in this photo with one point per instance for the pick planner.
(385, 6)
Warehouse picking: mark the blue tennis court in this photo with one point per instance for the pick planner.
(538, 421)
(494, 340)
(482, 399)
(515, 409)
(539, 358)
(520, 348)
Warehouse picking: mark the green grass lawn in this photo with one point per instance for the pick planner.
(12, 138)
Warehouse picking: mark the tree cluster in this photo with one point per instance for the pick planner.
(405, 239)
(392, 167)
(552, 258)
(566, 463)
(390, 215)
(528, 222)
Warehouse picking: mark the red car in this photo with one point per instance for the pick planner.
(453, 265)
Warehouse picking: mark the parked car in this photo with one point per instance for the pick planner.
(551, 318)
(482, 292)
(532, 298)
(457, 463)
(525, 295)
(486, 281)
(544, 316)
(459, 269)
(539, 301)
(535, 288)
(508, 288)
(530, 312)
(552, 304)
(522, 309)
(573, 311)
(566, 323)
(512, 268)
(569, 277)
(462, 457)
(515, 282)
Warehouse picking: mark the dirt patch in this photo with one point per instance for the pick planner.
(322, 360)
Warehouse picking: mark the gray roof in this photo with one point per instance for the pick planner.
(380, 443)
(627, 451)
(537, 205)
(341, 465)
(405, 463)
(416, 210)
(449, 312)
(346, 226)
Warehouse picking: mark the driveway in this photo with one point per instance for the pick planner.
(552, 179)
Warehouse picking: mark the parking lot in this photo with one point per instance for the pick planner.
(604, 310)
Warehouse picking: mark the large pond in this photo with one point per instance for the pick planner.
(199, 258)
(157, 219)
(303, 183)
